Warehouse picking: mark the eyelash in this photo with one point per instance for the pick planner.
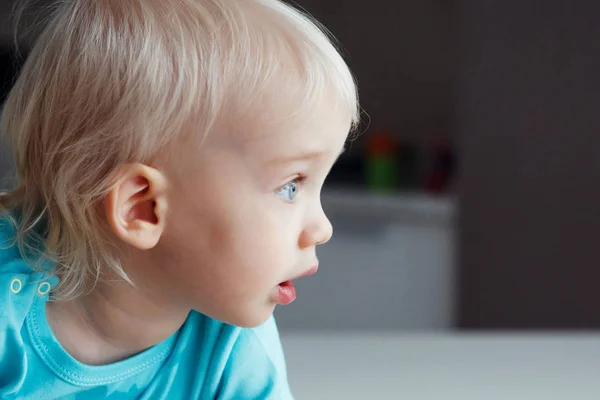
(298, 181)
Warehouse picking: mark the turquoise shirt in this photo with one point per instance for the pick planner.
(205, 359)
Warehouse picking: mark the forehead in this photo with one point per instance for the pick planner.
(321, 132)
(261, 142)
(280, 127)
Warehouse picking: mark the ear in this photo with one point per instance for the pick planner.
(136, 205)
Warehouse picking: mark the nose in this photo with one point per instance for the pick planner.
(318, 229)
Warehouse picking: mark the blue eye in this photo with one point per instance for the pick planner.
(288, 191)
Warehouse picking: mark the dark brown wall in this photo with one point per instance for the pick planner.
(403, 55)
(529, 120)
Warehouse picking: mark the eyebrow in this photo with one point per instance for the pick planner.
(304, 157)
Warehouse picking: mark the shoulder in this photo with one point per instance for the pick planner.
(256, 368)
(19, 283)
(247, 363)
(20, 286)
(264, 341)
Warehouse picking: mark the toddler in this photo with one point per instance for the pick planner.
(170, 156)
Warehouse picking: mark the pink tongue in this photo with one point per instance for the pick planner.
(287, 291)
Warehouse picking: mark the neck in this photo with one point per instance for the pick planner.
(112, 323)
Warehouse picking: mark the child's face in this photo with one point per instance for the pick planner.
(245, 214)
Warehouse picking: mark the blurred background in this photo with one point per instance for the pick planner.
(467, 210)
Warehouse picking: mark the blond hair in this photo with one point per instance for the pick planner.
(110, 82)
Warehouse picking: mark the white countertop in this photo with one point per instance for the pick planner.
(444, 366)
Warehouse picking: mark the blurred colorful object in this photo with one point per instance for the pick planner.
(443, 167)
(381, 163)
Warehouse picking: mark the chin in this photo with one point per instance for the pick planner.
(252, 318)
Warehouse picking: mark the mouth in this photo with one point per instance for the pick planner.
(286, 291)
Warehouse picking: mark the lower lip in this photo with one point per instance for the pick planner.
(286, 293)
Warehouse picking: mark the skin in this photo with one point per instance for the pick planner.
(215, 229)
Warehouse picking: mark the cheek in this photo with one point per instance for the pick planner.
(252, 240)
(235, 240)
(226, 262)
(235, 264)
